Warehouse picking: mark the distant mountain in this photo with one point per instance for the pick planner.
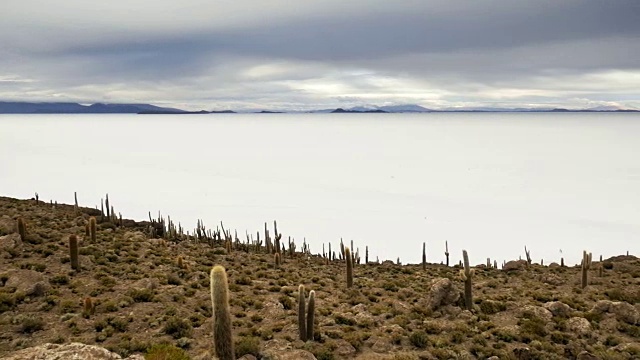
(343, 111)
(74, 108)
(404, 108)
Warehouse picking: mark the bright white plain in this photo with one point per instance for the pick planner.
(488, 183)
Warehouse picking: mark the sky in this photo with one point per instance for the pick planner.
(303, 55)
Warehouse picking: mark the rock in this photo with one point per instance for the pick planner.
(344, 349)
(272, 310)
(558, 308)
(493, 358)
(537, 311)
(622, 310)
(145, 284)
(247, 357)
(579, 325)
(10, 241)
(515, 265)
(277, 349)
(28, 282)
(70, 351)
(585, 355)
(554, 265)
(442, 293)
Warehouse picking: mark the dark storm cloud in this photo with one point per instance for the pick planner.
(474, 50)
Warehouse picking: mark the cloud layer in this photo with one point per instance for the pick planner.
(278, 55)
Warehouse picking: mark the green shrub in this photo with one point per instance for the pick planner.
(141, 295)
(31, 324)
(165, 352)
(178, 328)
(247, 345)
(419, 339)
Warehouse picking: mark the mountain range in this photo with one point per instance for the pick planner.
(101, 108)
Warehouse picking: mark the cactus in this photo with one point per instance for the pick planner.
(347, 254)
(277, 259)
(89, 307)
(528, 254)
(311, 308)
(586, 265)
(466, 274)
(92, 228)
(424, 256)
(446, 251)
(22, 229)
(301, 314)
(222, 336)
(366, 255)
(73, 252)
(180, 262)
(562, 262)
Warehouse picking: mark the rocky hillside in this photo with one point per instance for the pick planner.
(135, 294)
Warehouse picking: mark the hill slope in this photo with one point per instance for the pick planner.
(148, 291)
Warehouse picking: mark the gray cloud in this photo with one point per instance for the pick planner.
(438, 53)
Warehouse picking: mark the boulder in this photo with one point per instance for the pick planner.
(580, 326)
(622, 310)
(28, 282)
(537, 311)
(515, 265)
(442, 293)
(558, 308)
(72, 351)
(10, 241)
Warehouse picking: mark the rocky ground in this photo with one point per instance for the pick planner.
(151, 296)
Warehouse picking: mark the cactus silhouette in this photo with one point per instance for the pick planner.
(347, 254)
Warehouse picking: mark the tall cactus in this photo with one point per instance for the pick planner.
(586, 265)
(446, 251)
(222, 336)
(466, 274)
(301, 314)
(311, 308)
(92, 228)
(347, 254)
(528, 254)
(424, 256)
(73, 252)
(22, 228)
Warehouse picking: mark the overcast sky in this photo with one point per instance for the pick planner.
(277, 54)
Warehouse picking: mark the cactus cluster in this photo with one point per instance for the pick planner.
(306, 317)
